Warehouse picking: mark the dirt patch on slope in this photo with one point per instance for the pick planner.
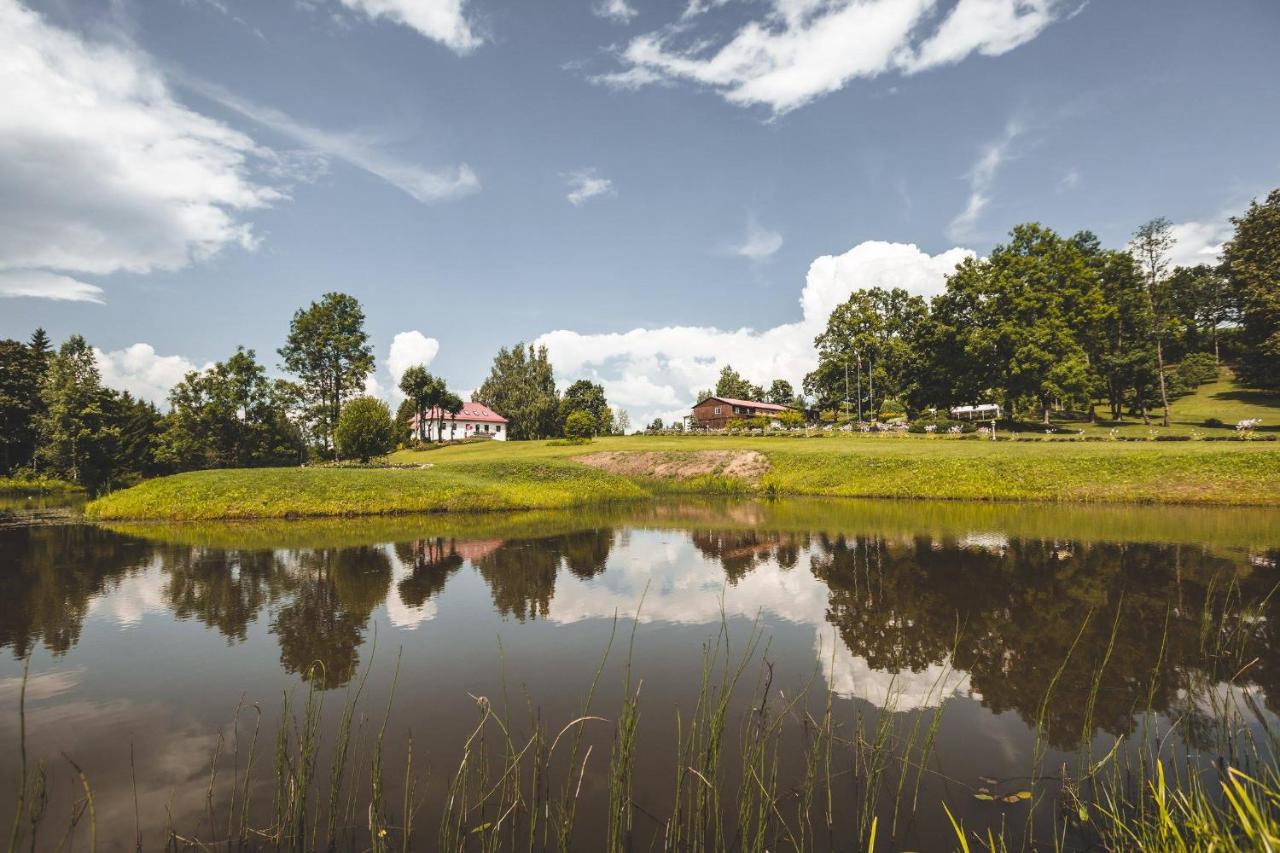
(748, 465)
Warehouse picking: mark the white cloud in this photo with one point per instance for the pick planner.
(587, 184)
(759, 243)
(141, 371)
(1069, 181)
(656, 372)
(981, 177)
(619, 11)
(803, 49)
(408, 349)
(422, 184)
(1198, 242)
(101, 170)
(47, 285)
(444, 21)
(988, 27)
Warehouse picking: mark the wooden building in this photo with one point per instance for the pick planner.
(716, 412)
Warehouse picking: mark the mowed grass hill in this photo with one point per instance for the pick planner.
(538, 475)
(493, 476)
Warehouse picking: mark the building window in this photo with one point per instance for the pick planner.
(717, 410)
(498, 428)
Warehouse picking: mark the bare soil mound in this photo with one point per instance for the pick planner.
(748, 465)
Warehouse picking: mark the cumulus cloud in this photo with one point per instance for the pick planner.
(444, 21)
(1198, 242)
(101, 169)
(46, 285)
(142, 371)
(586, 184)
(422, 184)
(759, 243)
(798, 50)
(619, 11)
(981, 177)
(408, 349)
(656, 372)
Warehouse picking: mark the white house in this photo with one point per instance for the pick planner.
(476, 420)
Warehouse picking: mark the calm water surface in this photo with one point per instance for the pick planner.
(143, 639)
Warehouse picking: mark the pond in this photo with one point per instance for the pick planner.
(903, 655)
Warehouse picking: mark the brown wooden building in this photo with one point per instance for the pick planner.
(716, 412)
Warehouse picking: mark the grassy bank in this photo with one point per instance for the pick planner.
(537, 475)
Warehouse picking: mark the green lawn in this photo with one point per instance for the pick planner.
(1224, 400)
(539, 475)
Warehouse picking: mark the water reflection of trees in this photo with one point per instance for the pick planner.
(1009, 615)
(50, 574)
(521, 573)
(431, 563)
(225, 590)
(740, 551)
(1007, 612)
(333, 594)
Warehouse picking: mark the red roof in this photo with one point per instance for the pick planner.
(754, 404)
(471, 411)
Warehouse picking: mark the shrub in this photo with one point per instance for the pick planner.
(892, 408)
(579, 425)
(938, 423)
(364, 429)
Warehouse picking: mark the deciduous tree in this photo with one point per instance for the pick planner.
(364, 429)
(1252, 262)
(328, 350)
(1150, 246)
(521, 387)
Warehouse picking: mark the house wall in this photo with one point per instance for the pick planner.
(705, 416)
(461, 428)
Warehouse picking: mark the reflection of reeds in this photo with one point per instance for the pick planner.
(856, 784)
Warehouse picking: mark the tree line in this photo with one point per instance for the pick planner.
(1048, 322)
(58, 420)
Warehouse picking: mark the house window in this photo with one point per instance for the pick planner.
(737, 410)
(498, 428)
(717, 410)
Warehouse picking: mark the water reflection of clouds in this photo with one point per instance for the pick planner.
(401, 614)
(133, 596)
(680, 584)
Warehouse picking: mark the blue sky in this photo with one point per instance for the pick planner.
(653, 189)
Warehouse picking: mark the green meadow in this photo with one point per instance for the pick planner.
(543, 475)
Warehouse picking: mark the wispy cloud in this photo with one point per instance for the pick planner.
(423, 184)
(1069, 181)
(37, 284)
(981, 177)
(619, 11)
(586, 184)
(444, 21)
(758, 243)
(799, 50)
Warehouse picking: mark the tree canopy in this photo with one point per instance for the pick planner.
(521, 387)
(328, 350)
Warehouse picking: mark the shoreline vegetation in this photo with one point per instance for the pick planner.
(20, 486)
(494, 476)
